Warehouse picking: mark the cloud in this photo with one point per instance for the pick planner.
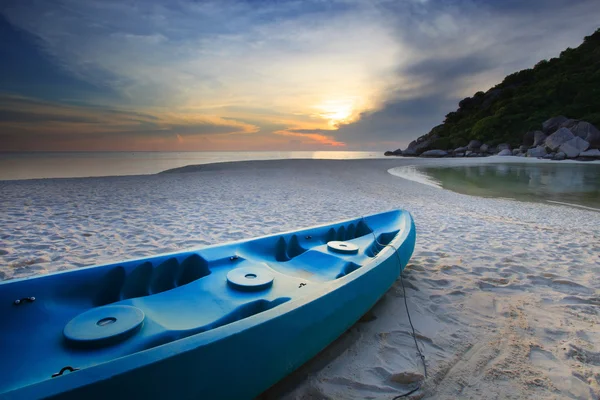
(454, 49)
(29, 122)
(312, 136)
(364, 73)
(288, 56)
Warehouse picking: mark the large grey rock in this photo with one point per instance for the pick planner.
(549, 156)
(397, 152)
(539, 151)
(578, 143)
(583, 129)
(459, 154)
(528, 139)
(484, 148)
(569, 123)
(560, 156)
(559, 137)
(418, 146)
(593, 138)
(514, 152)
(524, 148)
(551, 125)
(473, 154)
(460, 149)
(570, 151)
(592, 153)
(474, 145)
(409, 152)
(505, 152)
(434, 153)
(503, 146)
(539, 138)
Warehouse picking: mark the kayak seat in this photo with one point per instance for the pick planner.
(316, 266)
(285, 251)
(382, 240)
(141, 279)
(348, 232)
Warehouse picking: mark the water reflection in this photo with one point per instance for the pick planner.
(569, 183)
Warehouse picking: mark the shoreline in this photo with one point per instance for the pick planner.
(241, 164)
(26, 166)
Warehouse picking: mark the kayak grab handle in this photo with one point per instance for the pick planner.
(65, 369)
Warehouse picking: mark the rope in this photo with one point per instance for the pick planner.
(414, 335)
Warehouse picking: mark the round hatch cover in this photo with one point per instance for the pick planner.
(342, 247)
(250, 278)
(104, 325)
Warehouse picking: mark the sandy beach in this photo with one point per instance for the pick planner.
(504, 295)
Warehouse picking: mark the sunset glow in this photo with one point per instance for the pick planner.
(234, 75)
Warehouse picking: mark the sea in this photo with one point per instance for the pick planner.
(38, 165)
(573, 184)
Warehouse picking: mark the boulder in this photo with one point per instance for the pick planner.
(505, 152)
(409, 152)
(539, 138)
(560, 156)
(569, 123)
(492, 150)
(539, 151)
(559, 137)
(459, 154)
(484, 148)
(397, 152)
(473, 154)
(468, 153)
(583, 129)
(524, 148)
(460, 149)
(418, 146)
(434, 153)
(514, 152)
(592, 153)
(528, 139)
(503, 146)
(474, 145)
(578, 143)
(570, 151)
(551, 125)
(549, 156)
(593, 138)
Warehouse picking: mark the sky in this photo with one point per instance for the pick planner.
(259, 75)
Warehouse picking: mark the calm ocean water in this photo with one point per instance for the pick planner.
(69, 165)
(566, 183)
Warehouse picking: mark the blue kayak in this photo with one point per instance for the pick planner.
(221, 322)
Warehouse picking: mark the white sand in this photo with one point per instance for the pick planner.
(505, 295)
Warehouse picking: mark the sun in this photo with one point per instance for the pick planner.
(337, 111)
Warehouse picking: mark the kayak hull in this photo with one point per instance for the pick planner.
(273, 332)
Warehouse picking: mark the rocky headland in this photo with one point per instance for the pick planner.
(513, 117)
(559, 138)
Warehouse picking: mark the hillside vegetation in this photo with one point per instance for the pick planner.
(568, 85)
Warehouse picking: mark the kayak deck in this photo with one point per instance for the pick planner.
(86, 317)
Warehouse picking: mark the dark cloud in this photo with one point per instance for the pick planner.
(8, 116)
(398, 121)
(463, 47)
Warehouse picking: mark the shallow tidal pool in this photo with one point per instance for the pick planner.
(574, 184)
